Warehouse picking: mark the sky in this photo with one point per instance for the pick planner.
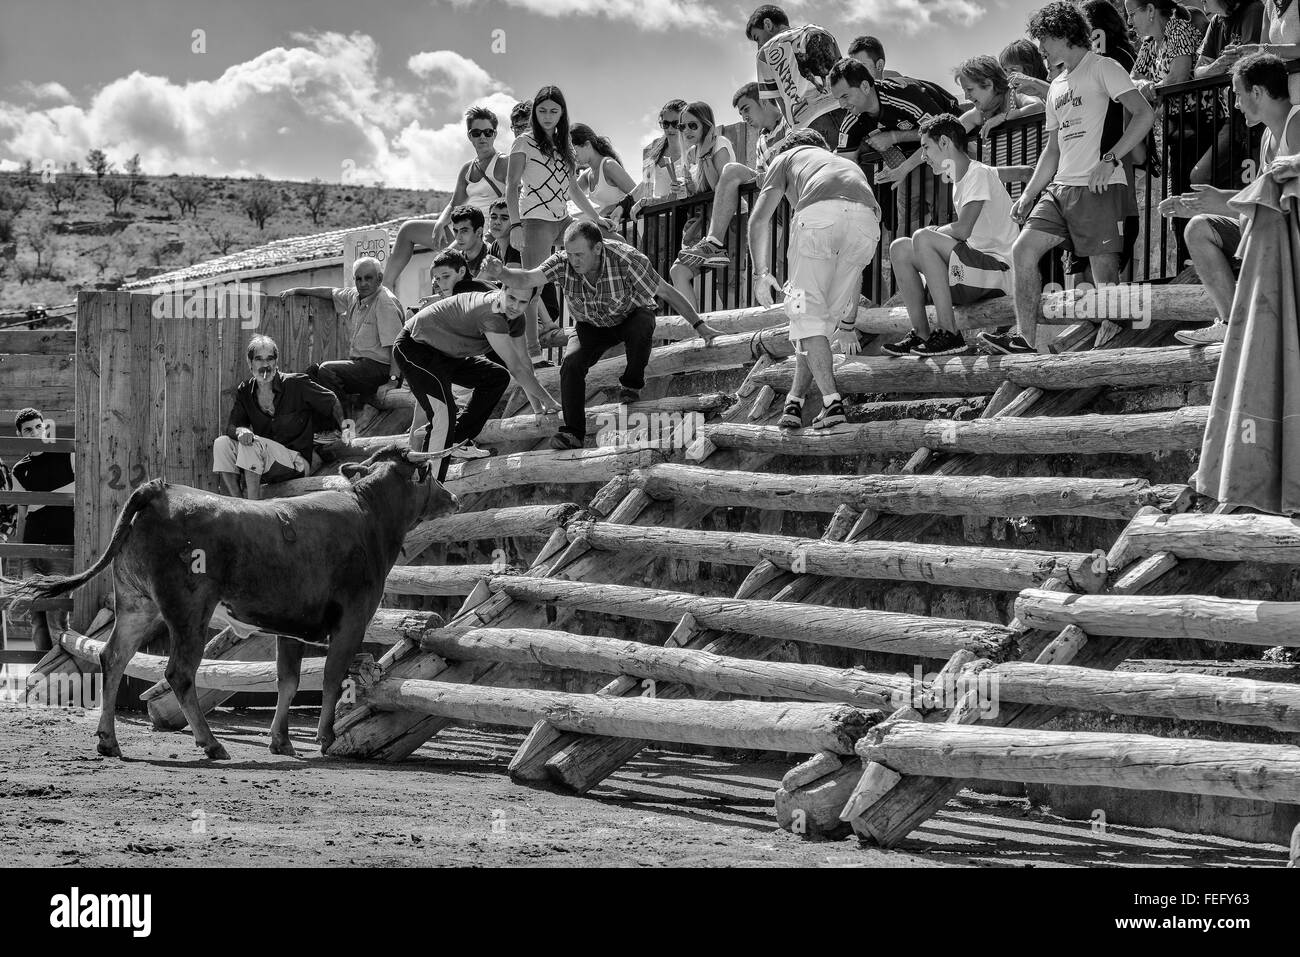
(296, 89)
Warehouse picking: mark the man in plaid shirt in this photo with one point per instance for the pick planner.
(610, 288)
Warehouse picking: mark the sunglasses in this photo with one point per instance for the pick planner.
(689, 126)
(670, 124)
(477, 134)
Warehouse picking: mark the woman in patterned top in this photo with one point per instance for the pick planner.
(541, 182)
(1168, 56)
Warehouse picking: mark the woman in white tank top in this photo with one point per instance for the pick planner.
(603, 178)
(481, 181)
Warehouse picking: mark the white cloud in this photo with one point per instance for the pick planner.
(460, 78)
(912, 16)
(328, 91)
(646, 14)
(46, 91)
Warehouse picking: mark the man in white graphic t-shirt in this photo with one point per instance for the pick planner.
(1077, 191)
(792, 68)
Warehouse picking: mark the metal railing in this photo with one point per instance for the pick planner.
(1199, 134)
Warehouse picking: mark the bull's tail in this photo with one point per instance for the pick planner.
(19, 595)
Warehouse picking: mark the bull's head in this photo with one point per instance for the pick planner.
(432, 500)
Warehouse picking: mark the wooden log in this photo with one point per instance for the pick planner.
(1261, 772)
(765, 726)
(1217, 537)
(726, 352)
(43, 342)
(436, 579)
(1035, 435)
(815, 768)
(546, 468)
(700, 669)
(1187, 697)
(230, 676)
(902, 494)
(864, 629)
(979, 375)
(1240, 621)
(518, 520)
(729, 322)
(999, 569)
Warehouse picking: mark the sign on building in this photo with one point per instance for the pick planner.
(361, 243)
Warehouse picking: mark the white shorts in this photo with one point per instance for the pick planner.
(229, 455)
(831, 243)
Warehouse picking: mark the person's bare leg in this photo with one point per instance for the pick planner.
(1030, 246)
(726, 197)
(682, 279)
(931, 252)
(252, 486)
(820, 364)
(802, 373)
(230, 482)
(1213, 266)
(907, 277)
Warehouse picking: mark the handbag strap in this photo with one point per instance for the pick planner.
(491, 182)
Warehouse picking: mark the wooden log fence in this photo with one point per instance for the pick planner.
(1137, 434)
(1271, 539)
(997, 569)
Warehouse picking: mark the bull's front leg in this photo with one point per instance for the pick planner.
(288, 667)
(344, 645)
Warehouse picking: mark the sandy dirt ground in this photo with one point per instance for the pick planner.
(452, 803)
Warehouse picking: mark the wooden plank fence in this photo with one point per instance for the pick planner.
(154, 390)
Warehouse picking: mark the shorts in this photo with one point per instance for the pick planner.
(1227, 233)
(831, 243)
(264, 457)
(974, 276)
(1089, 222)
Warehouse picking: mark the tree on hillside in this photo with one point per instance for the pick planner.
(101, 257)
(40, 239)
(63, 188)
(97, 162)
(373, 202)
(314, 197)
(7, 231)
(134, 174)
(260, 202)
(223, 238)
(28, 173)
(188, 194)
(12, 201)
(117, 188)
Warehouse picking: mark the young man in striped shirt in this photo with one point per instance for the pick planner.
(763, 117)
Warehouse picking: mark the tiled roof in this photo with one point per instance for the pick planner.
(275, 257)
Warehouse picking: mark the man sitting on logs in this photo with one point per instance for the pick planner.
(610, 288)
(376, 318)
(446, 343)
(269, 435)
(834, 230)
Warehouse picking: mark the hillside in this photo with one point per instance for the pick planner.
(48, 254)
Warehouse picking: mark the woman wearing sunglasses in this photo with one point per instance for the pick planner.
(707, 152)
(540, 182)
(481, 181)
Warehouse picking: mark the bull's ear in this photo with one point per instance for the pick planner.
(352, 472)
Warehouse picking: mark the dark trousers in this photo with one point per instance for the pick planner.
(431, 374)
(636, 332)
(345, 377)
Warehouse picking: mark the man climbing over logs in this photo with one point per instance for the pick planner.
(269, 435)
(834, 230)
(610, 288)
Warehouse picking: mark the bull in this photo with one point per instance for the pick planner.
(311, 568)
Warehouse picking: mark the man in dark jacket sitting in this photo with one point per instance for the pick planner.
(269, 435)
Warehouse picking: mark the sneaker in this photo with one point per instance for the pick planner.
(905, 346)
(832, 414)
(565, 442)
(542, 363)
(1211, 334)
(1006, 343)
(469, 449)
(627, 396)
(942, 343)
(791, 416)
(705, 254)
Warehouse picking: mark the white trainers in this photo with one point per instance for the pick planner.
(1211, 334)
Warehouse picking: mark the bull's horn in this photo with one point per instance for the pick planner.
(421, 457)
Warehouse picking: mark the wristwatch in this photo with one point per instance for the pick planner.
(1109, 158)
(396, 380)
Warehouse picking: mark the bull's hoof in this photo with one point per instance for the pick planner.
(216, 752)
(109, 749)
(284, 747)
(325, 742)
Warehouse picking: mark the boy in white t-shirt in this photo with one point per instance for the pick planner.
(1077, 191)
(962, 262)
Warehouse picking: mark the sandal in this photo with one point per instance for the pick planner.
(553, 338)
